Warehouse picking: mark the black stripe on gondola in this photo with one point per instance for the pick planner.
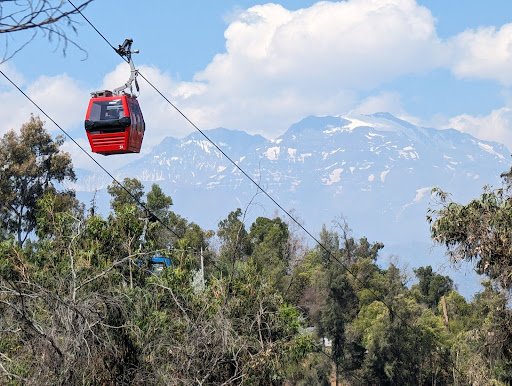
(107, 124)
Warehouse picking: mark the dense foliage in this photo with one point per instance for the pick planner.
(80, 305)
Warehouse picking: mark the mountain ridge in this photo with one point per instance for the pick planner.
(376, 170)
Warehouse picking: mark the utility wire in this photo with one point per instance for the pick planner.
(90, 156)
(259, 187)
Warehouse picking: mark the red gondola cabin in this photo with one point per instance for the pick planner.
(114, 123)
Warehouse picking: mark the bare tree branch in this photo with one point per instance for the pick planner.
(50, 17)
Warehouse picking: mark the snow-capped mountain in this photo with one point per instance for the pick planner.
(376, 171)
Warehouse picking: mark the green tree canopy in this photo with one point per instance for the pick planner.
(432, 285)
(158, 202)
(32, 162)
(128, 194)
(234, 237)
(269, 240)
(480, 231)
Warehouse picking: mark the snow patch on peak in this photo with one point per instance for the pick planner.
(356, 123)
(334, 177)
(333, 130)
(420, 194)
(408, 152)
(303, 156)
(489, 149)
(383, 175)
(204, 145)
(325, 154)
(272, 153)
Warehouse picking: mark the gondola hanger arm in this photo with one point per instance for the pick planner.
(125, 51)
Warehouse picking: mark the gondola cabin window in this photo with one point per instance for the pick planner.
(106, 110)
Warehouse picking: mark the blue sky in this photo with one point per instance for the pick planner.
(260, 67)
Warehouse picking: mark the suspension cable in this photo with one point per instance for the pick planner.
(237, 166)
(259, 187)
(290, 216)
(139, 202)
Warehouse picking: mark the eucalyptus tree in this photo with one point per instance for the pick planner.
(33, 164)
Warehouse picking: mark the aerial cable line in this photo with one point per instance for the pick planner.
(140, 203)
(260, 188)
(290, 216)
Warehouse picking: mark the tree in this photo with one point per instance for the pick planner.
(480, 232)
(128, 194)
(269, 240)
(432, 286)
(32, 162)
(235, 239)
(341, 306)
(482, 350)
(49, 17)
(65, 308)
(157, 202)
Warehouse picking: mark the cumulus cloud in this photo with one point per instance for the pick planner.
(60, 96)
(281, 65)
(324, 44)
(13, 74)
(496, 126)
(390, 102)
(483, 53)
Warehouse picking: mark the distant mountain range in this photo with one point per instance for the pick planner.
(376, 171)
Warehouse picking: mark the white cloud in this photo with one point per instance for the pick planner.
(281, 65)
(15, 110)
(13, 74)
(354, 44)
(390, 102)
(62, 98)
(496, 126)
(59, 96)
(483, 53)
